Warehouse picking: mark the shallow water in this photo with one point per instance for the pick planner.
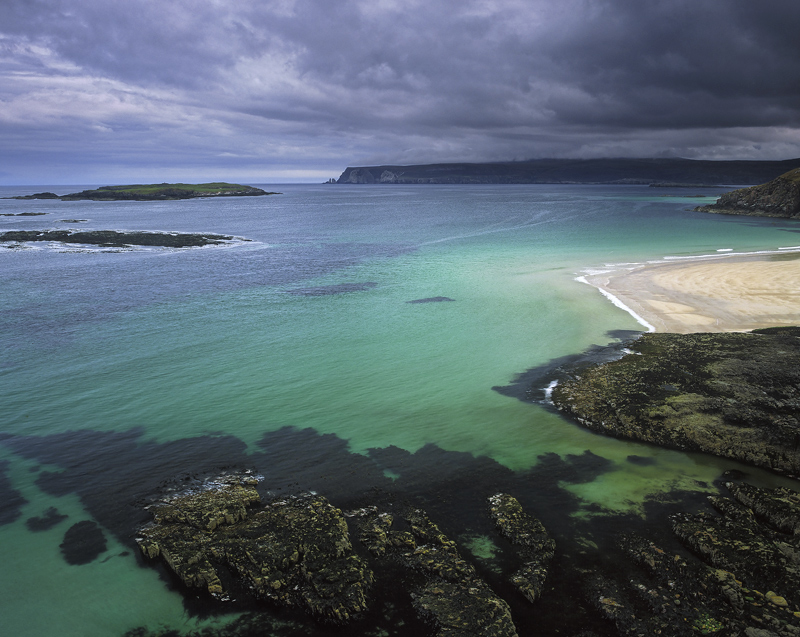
(121, 367)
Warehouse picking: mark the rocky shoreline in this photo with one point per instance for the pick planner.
(777, 198)
(734, 395)
(737, 574)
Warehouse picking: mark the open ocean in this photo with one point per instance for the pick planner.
(298, 354)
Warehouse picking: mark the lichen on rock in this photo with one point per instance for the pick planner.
(535, 546)
(735, 395)
(745, 582)
(294, 551)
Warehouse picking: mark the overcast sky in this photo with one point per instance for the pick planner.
(99, 91)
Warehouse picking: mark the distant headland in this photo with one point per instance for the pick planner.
(156, 192)
(686, 172)
(777, 198)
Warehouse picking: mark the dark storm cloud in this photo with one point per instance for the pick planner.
(257, 85)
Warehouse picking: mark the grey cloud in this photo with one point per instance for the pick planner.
(310, 80)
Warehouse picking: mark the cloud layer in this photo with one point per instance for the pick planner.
(271, 90)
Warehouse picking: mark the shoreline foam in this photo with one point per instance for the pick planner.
(721, 292)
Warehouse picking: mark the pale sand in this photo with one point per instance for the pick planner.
(718, 294)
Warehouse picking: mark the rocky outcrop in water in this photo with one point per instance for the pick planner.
(735, 395)
(536, 547)
(450, 594)
(38, 195)
(745, 584)
(112, 238)
(777, 198)
(294, 551)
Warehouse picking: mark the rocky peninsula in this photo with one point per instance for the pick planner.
(156, 192)
(777, 198)
(735, 395)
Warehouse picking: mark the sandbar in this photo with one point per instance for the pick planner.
(734, 293)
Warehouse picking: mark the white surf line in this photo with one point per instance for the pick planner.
(728, 252)
(493, 229)
(619, 304)
(548, 392)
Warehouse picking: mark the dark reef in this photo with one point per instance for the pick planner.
(48, 520)
(11, 500)
(432, 299)
(112, 238)
(260, 544)
(83, 542)
(337, 288)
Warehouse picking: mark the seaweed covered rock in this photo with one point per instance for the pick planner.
(535, 546)
(456, 599)
(745, 581)
(294, 551)
(449, 593)
(735, 395)
(750, 538)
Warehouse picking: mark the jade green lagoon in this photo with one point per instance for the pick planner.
(301, 355)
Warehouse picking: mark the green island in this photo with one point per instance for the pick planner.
(156, 192)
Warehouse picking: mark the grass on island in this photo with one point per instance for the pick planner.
(145, 192)
(150, 189)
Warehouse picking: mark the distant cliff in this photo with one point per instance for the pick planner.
(777, 198)
(574, 171)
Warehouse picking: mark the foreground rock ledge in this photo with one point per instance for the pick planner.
(293, 551)
(296, 552)
(745, 583)
(734, 395)
(535, 546)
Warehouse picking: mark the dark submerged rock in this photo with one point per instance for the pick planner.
(83, 542)
(338, 288)
(432, 299)
(735, 395)
(48, 520)
(11, 500)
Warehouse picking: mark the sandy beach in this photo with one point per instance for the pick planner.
(710, 294)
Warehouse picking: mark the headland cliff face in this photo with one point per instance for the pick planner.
(777, 198)
(665, 171)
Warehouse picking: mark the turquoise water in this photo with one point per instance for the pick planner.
(245, 340)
